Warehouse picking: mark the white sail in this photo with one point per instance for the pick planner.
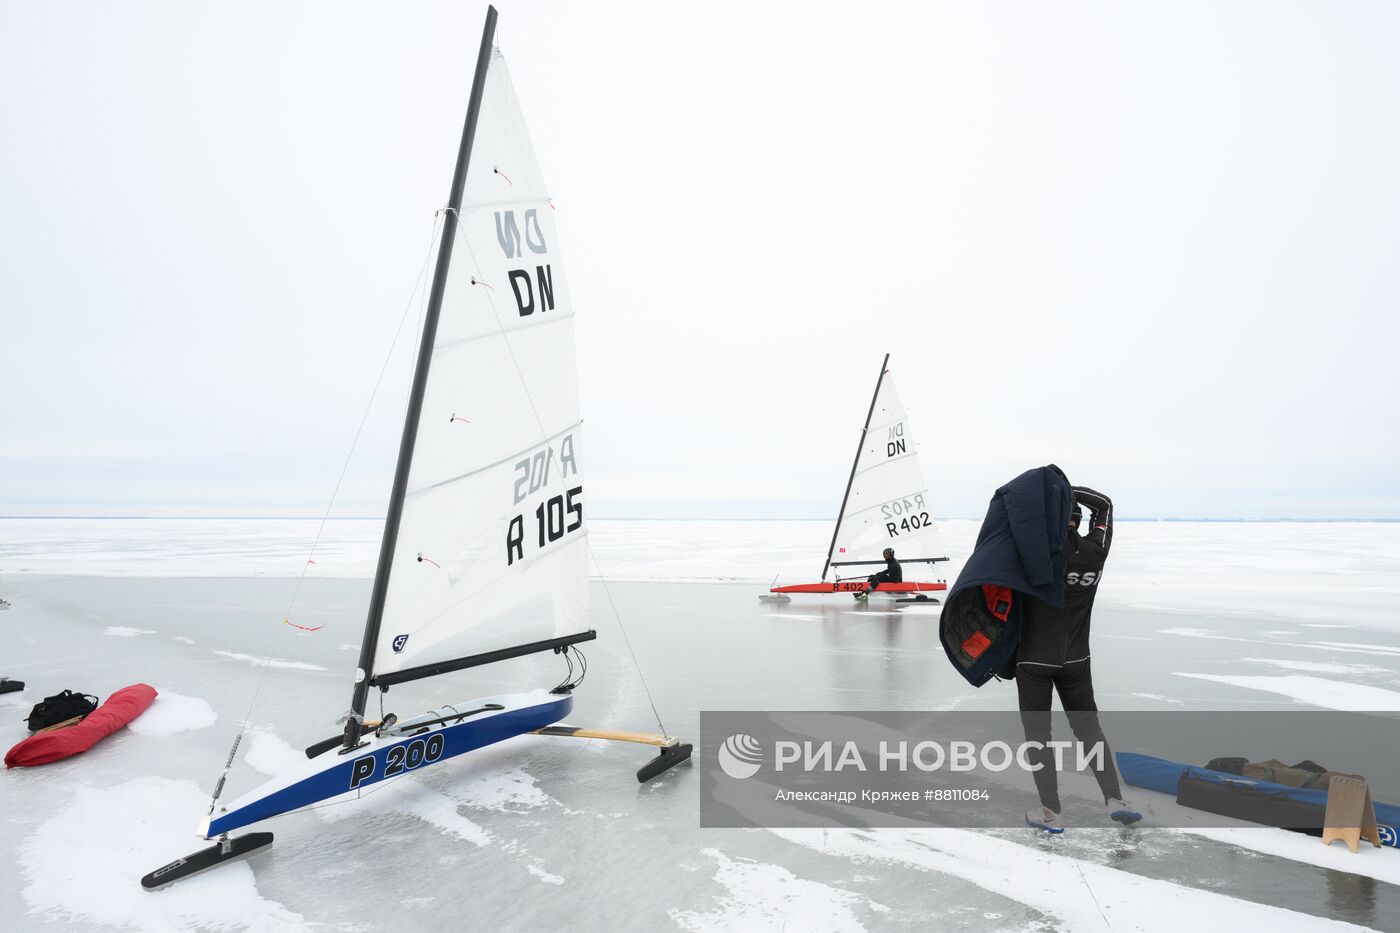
(491, 549)
(889, 502)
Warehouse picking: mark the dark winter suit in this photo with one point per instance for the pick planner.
(1054, 652)
(891, 574)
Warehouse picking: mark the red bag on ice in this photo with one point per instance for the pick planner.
(121, 708)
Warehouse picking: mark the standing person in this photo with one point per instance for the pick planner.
(1054, 653)
(892, 573)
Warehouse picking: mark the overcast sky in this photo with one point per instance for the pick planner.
(1152, 243)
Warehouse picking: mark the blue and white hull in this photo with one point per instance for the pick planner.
(406, 748)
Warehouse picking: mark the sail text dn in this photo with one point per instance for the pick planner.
(533, 288)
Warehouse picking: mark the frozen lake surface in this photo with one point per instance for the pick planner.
(537, 833)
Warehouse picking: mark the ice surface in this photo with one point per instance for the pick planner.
(1267, 616)
(1080, 896)
(171, 713)
(1369, 861)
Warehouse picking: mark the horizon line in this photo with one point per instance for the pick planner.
(680, 518)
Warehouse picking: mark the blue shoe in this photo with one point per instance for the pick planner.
(1120, 812)
(1045, 820)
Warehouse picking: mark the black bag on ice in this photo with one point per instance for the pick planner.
(60, 708)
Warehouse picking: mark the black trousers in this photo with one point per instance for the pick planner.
(1075, 685)
(884, 576)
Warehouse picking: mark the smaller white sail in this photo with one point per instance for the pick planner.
(889, 503)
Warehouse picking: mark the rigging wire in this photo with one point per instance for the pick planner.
(628, 641)
(544, 433)
(1092, 896)
(266, 661)
(570, 683)
(384, 368)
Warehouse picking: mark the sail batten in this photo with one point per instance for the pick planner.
(444, 347)
(506, 459)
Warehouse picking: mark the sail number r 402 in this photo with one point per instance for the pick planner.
(910, 523)
(903, 516)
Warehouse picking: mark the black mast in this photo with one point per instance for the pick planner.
(420, 381)
(859, 447)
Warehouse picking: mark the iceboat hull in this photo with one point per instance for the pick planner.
(408, 748)
(860, 586)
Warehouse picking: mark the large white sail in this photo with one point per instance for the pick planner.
(491, 549)
(888, 505)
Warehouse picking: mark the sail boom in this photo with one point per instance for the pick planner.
(446, 345)
(476, 660)
(880, 563)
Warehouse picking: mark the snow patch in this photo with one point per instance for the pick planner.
(144, 823)
(1361, 647)
(1158, 697)
(270, 662)
(173, 712)
(269, 754)
(764, 897)
(504, 790)
(543, 875)
(1346, 646)
(417, 800)
(126, 631)
(1318, 691)
(1320, 667)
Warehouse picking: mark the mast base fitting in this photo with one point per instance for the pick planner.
(667, 758)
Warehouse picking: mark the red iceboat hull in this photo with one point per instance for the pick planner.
(858, 586)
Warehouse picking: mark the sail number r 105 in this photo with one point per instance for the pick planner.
(550, 523)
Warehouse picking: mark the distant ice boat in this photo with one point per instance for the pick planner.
(484, 556)
(886, 505)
